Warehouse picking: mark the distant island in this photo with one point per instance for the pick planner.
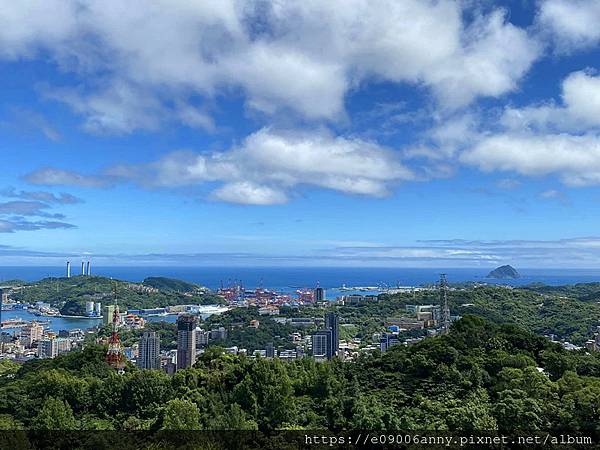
(504, 272)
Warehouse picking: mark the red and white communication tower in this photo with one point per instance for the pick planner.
(115, 356)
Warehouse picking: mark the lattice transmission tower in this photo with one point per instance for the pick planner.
(444, 303)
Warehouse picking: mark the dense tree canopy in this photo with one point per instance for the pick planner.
(481, 376)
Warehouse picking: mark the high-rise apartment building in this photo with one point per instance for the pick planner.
(319, 294)
(149, 351)
(186, 341)
(321, 345)
(332, 322)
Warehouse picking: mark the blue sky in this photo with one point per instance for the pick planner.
(363, 133)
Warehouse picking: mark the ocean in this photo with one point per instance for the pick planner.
(288, 278)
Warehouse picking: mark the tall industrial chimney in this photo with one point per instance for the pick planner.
(82, 268)
(68, 269)
(89, 269)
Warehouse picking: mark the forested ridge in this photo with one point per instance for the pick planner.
(70, 294)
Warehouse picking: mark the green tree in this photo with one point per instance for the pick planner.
(181, 415)
(515, 411)
(8, 368)
(55, 415)
(8, 422)
(145, 391)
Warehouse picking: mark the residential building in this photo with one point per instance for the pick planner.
(406, 323)
(319, 294)
(50, 348)
(202, 337)
(287, 355)
(218, 334)
(332, 322)
(301, 322)
(268, 310)
(107, 318)
(232, 350)
(134, 321)
(149, 351)
(186, 341)
(321, 345)
(388, 340)
(31, 334)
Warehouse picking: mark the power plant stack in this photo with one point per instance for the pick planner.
(68, 269)
(88, 269)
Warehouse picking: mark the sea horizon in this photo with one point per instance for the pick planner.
(292, 277)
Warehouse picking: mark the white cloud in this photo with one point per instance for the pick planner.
(576, 159)
(56, 177)
(140, 58)
(580, 109)
(495, 58)
(581, 94)
(262, 169)
(28, 26)
(579, 252)
(537, 140)
(508, 183)
(572, 23)
(42, 196)
(248, 193)
(118, 108)
(553, 194)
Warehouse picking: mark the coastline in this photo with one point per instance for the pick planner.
(62, 316)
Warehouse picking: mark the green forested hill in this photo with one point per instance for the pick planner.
(567, 317)
(170, 284)
(588, 292)
(77, 290)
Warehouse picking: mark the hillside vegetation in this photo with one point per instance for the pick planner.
(171, 284)
(481, 376)
(72, 293)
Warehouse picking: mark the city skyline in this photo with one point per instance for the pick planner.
(471, 139)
